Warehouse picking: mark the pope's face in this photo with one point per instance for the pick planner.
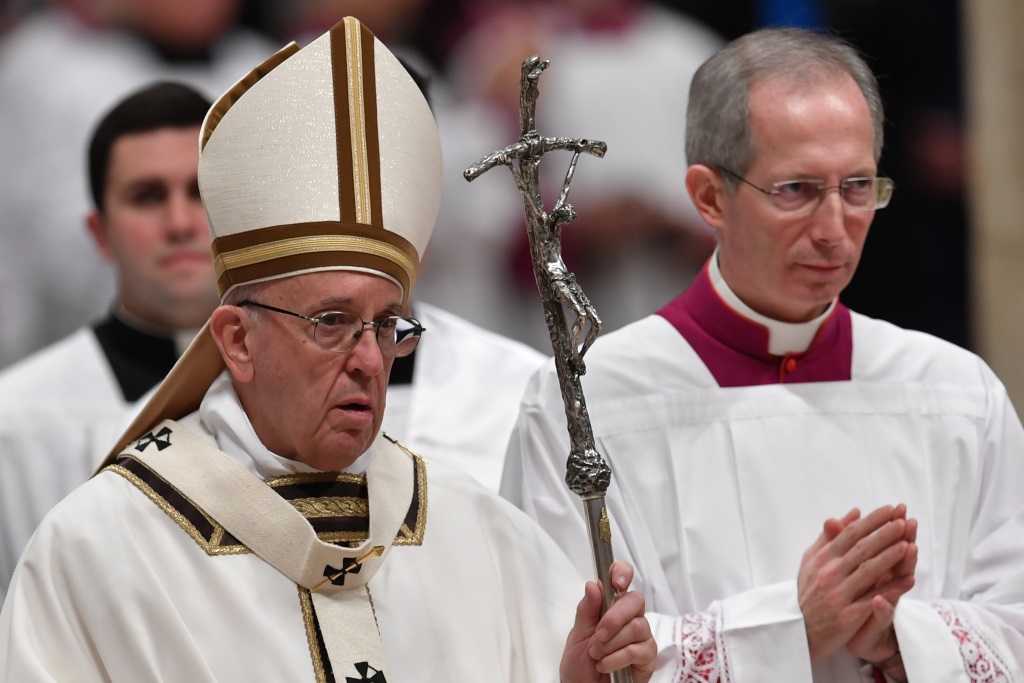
(318, 407)
(791, 266)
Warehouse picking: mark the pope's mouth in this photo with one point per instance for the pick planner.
(356, 410)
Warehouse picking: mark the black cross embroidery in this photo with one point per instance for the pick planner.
(161, 443)
(337, 576)
(364, 668)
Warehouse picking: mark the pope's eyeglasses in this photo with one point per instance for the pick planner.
(339, 331)
(857, 193)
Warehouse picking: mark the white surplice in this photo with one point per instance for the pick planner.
(60, 411)
(462, 403)
(717, 492)
(125, 581)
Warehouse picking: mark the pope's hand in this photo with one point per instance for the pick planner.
(600, 644)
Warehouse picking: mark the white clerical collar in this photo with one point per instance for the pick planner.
(783, 337)
(222, 414)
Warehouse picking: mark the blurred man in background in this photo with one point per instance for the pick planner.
(61, 408)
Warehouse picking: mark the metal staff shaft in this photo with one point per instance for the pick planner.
(587, 474)
(600, 542)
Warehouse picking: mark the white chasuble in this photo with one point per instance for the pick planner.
(129, 579)
(335, 577)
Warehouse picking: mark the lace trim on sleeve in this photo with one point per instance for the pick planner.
(981, 661)
(702, 660)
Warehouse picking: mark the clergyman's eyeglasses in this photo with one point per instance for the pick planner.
(793, 196)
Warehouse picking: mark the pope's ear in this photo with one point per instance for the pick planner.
(229, 326)
(707, 191)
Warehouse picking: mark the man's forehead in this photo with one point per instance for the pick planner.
(187, 135)
(155, 152)
(341, 287)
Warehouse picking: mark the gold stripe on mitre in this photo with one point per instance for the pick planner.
(357, 134)
(288, 249)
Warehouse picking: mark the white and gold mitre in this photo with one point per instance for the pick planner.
(322, 158)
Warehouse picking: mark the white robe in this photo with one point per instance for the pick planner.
(58, 77)
(717, 492)
(462, 403)
(115, 586)
(60, 411)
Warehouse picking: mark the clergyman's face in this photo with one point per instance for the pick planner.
(311, 405)
(791, 266)
(153, 226)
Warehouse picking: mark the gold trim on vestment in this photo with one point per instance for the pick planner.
(349, 538)
(209, 546)
(308, 619)
(315, 478)
(334, 506)
(405, 536)
(373, 609)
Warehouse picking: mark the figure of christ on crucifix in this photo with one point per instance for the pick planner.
(545, 228)
(587, 474)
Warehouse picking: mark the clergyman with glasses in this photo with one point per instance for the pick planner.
(808, 494)
(254, 524)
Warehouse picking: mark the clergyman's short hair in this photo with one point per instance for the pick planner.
(718, 113)
(163, 104)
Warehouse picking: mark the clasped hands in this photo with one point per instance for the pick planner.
(850, 580)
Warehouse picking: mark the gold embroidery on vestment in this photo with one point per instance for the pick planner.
(315, 478)
(340, 506)
(311, 508)
(372, 608)
(209, 545)
(407, 536)
(314, 645)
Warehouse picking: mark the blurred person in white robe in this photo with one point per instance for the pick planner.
(455, 399)
(619, 73)
(62, 66)
(807, 494)
(253, 523)
(61, 407)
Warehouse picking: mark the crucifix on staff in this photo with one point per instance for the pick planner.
(587, 474)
